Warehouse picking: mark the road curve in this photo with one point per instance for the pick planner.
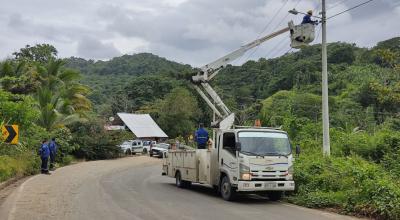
(133, 188)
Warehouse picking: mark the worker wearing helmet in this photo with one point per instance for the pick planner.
(307, 18)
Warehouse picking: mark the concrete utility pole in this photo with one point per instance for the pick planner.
(325, 105)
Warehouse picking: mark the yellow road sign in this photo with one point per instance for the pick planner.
(10, 134)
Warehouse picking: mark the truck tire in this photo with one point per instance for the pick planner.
(227, 191)
(144, 151)
(128, 152)
(178, 180)
(274, 195)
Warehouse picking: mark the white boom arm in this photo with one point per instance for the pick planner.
(210, 70)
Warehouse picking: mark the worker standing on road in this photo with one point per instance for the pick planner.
(201, 137)
(44, 153)
(307, 18)
(53, 151)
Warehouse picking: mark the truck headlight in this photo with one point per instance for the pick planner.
(244, 172)
(246, 176)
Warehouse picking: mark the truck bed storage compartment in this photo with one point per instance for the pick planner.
(203, 157)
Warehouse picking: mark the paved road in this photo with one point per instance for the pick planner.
(132, 188)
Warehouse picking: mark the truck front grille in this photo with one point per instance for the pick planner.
(264, 174)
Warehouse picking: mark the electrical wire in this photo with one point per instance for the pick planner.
(354, 7)
(280, 42)
(265, 28)
(280, 9)
(337, 4)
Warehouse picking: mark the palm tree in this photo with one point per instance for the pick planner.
(61, 99)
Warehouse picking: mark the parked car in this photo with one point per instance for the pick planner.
(137, 146)
(131, 147)
(147, 145)
(158, 150)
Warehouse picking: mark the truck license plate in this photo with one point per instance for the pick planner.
(270, 185)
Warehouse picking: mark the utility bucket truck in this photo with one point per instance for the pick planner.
(242, 159)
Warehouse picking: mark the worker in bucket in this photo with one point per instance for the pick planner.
(307, 18)
(201, 137)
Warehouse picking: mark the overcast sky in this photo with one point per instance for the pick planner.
(188, 31)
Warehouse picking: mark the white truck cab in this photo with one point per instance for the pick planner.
(252, 160)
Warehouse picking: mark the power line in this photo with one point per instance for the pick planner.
(280, 42)
(337, 4)
(366, 2)
(265, 28)
(280, 9)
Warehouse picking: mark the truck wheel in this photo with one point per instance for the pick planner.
(128, 152)
(227, 191)
(144, 151)
(178, 180)
(275, 195)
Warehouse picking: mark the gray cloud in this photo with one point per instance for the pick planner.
(190, 31)
(89, 47)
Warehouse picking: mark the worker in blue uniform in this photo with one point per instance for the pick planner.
(44, 153)
(201, 136)
(307, 18)
(53, 151)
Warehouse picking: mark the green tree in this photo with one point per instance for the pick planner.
(41, 53)
(61, 99)
(18, 77)
(178, 112)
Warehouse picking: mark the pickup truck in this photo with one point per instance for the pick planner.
(159, 149)
(251, 160)
(131, 147)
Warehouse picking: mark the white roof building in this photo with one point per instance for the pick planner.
(142, 125)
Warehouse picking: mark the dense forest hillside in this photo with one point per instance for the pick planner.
(129, 82)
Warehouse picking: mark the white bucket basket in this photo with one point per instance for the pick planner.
(301, 35)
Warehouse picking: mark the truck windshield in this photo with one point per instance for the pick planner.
(264, 143)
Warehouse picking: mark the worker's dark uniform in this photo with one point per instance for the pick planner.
(307, 20)
(44, 153)
(201, 138)
(53, 151)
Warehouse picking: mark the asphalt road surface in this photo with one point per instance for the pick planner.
(133, 188)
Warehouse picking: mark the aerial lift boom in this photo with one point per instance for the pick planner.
(209, 71)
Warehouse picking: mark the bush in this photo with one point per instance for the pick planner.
(17, 161)
(93, 142)
(350, 184)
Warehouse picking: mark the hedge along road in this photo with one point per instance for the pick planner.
(133, 188)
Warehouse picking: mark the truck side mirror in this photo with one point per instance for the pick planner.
(238, 146)
(297, 150)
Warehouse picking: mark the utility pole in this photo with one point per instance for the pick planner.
(325, 104)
